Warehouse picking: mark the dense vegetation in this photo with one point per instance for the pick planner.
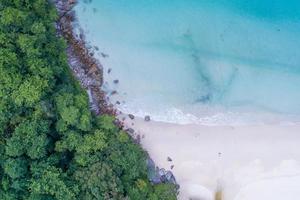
(51, 145)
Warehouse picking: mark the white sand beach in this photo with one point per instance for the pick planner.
(244, 162)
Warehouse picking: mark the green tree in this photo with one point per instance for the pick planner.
(98, 182)
(164, 192)
(30, 91)
(16, 168)
(51, 182)
(51, 145)
(29, 138)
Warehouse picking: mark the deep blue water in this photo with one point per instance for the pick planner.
(207, 61)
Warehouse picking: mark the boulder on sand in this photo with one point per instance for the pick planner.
(131, 116)
(147, 118)
(130, 130)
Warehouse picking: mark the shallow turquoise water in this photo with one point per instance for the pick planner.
(221, 61)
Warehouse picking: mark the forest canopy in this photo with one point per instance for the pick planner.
(51, 146)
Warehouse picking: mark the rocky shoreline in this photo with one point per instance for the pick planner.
(89, 72)
(87, 69)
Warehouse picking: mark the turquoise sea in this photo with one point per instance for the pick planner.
(199, 61)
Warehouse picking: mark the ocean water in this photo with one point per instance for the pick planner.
(199, 61)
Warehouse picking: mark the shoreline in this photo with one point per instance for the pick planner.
(85, 67)
(89, 72)
(206, 160)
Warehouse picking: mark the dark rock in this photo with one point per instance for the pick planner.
(170, 177)
(118, 102)
(150, 164)
(130, 130)
(89, 47)
(166, 176)
(152, 172)
(71, 1)
(157, 175)
(147, 118)
(169, 159)
(118, 123)
(96, 48)
(131, 116)
(162, 172)
(138, 139)
(113, 92)
(123, 119)
(172, 166)
(81, 36)
(109, 70)
(116, 81)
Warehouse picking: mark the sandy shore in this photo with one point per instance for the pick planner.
(244, 162)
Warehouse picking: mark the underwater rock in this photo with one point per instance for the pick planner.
(104, 55)
(113, 92)
(204, 99)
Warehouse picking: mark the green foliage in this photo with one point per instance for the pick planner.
(106, 123)
(12, 17)
(15, 168)
(51, 182)
(69, 142)
(98, 181)
(73, 112)
(30, 91)
(51, 146)
(29, 138)
(164, 192)
(92, 143)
